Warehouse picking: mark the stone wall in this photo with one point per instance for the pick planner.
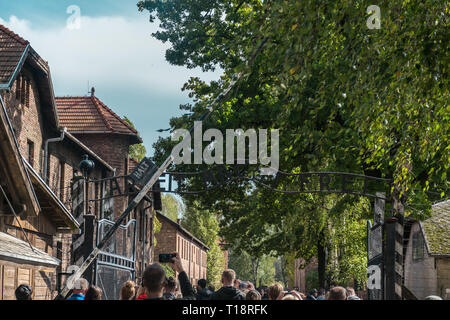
(421, 274)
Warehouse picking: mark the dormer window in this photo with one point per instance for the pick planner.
(23, 87)
(418, 246)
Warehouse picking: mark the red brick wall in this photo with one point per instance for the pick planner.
(300, 274)
(28, 121)
(193, 258)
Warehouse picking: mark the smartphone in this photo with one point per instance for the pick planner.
(166, 257)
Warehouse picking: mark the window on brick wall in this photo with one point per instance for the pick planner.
(418, 246)
(62, 172)
(27, 91)
(18, 87)
(23, 90)
(30, 152)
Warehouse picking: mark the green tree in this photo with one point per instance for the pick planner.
(259, 270)
(137, 151)
(347, 99)
(171, 207)
(204, 225)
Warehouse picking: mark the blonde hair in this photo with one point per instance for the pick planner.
(274, 291)
(229, 276)
(127, 291)
(289, 297)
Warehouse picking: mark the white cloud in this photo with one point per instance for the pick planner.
(107, 51)
(121, 59)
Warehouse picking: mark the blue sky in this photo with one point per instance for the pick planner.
(113, 50)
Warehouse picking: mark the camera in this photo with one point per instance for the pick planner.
(166, 257)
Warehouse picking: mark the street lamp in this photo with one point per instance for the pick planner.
(86, 166)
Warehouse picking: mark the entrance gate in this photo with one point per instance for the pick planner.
(384, 237)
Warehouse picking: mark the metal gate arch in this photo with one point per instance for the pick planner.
(387, 231)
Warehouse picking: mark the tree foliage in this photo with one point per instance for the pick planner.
(137, 151)
(345, 97)
(171, 207)
(203, 224)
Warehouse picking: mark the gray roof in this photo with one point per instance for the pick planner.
(19, 251)
(436, 229)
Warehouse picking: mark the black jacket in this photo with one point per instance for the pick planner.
(204, 294)
(186, 289)
(228, 293)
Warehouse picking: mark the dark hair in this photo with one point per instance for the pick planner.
(243, 285)
(23, 292)
(211, 288)
(171, 283)
(93, 293)
(202, 283)
(321, 291)
(154, 277)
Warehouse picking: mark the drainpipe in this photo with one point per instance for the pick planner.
(61, 138)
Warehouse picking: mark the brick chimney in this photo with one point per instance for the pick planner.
(93, 92)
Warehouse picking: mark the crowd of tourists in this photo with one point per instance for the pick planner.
(157, 286)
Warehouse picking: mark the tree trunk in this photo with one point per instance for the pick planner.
(321, 259)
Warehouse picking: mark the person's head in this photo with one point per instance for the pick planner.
(81, 286)
(153, 279)
(211, 288)
(337, 293)
(274, 291)
(289, 297)
(23, 292)
(314, 293)
(236, 283)
(170, 285)
(243, 285)
(433, 298)
(350, 291)
(253, 295)
(93, 293)
(321, 292)
(128, 290)
(201, 283)
(228, 277)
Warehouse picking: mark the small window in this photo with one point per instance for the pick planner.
(62, 173)
(23, 89)
(30, 152)
(418, 246)
(18, 87)
(27, 91)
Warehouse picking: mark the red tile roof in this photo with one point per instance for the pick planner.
(12, 48)
(89, 115)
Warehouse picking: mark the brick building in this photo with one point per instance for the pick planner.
(427, 253)
(33, 217)
(41, 146)
(174, 238)
(224, 246)
(300, 274)
(98, 127)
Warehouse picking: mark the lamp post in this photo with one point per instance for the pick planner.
(86, 166)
